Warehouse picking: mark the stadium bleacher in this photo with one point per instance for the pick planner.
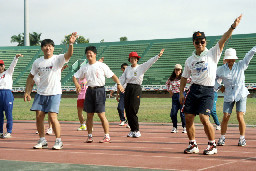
(116, 53)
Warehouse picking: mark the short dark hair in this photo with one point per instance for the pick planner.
(92, 48)
(137, 58)
(47, 41)
(124, 64)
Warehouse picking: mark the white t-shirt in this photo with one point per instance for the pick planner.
(94, 73)
(202, 69)
(6, 76)
(134, 75)
(50, 74)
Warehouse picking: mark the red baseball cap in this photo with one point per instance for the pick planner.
(1, 62)
(134, 54)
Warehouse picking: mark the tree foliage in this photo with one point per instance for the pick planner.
(79, 40)
(34, 39)
(123, 39)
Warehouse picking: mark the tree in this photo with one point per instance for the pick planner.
(34, 39)
(79, 40)
(102, 40)
(123, 39)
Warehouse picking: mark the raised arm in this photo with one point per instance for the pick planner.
(227, 35)
(72, 40)
(14, 63)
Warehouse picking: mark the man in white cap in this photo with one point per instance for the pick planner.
(232, 75)
(202, 66)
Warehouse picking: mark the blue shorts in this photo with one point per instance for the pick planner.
(240, 106)
(199, 100)
(95, 99)
(46, 103)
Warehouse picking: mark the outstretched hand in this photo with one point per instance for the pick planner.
(237, 21)
(19, 55)
(101, 59)
(73, 37)
(161, 53)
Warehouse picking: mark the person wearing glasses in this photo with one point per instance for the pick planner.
(6, 96)
(173, 87)
(202, 66)
(233, 78)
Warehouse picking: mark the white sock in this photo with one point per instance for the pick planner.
(194, 141)
(241, 137)
(89, 135)
(222, 137)
(107, 135)
(58, 139)
(213, 141)
(42, 139)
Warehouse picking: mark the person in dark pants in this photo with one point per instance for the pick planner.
(133, 77)
(173, 87)
(120, 99)
(6, 96)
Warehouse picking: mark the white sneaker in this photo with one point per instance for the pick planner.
(41, 144)
(122, 123)
(49, 131)
(174, 130)
(184, 130)
(130, 134)
(218, 127)
(7, 135)
(137, 134)
(58, 145)
(37, 132)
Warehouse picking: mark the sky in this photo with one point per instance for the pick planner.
(135, 19)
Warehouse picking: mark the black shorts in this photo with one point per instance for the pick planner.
(95, 99)
(199, 100)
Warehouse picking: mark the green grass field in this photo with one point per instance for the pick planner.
(151, 110)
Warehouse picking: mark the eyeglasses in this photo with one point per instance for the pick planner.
(197, 42)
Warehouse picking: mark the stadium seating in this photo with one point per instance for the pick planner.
(116, 53)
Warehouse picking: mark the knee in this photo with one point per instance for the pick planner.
(204, 119)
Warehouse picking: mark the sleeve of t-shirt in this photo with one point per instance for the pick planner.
(122, 79)
(146, 65)
(243, 64)
(61, 61)
(215, 53)
(107, 71)
(187, 72)
(34, 69)
(79, 73)
(12, 66)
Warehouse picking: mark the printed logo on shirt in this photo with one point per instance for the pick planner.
(45, 68)
(135, 73)
(10, 103)
(200, 67)
(3, 76)
(208, 111)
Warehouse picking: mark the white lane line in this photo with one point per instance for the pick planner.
(214, 166)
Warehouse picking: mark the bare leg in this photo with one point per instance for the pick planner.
(55, 124)
(40, 122)
(240, 118)
(104, 122)
(224, 123)
(80, 115)
(208, 127)
(89, 122)
(190, 126)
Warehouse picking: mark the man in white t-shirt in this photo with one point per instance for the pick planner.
(95, 72)
(201, 66)
(47, 99)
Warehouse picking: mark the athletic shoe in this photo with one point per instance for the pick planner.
(174, 130)
(130, 134)
(1, 135)
(49, 131)
(242, 142)
(37, 132)
(105, 140)
(89, 140)
(7, 135)
(211, 149)
(192, 148)
(82, 128)
(218, 127)
(221, 142)
(41, 144)
(122, 123)
(184, 130)
(58, 145)
(136, 134)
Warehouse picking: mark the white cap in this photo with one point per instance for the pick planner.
(178, 66)
(230, 54)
